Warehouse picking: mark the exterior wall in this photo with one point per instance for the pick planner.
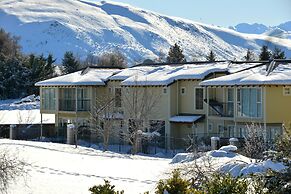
(278, 106)
(187, 100)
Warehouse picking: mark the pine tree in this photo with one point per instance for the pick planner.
(176, 55)
(278, 54)
(211, 57)
(250, 56)
(49, 66)
(70, 63)
(265, 53)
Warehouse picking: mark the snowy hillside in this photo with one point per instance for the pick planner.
(56, 26)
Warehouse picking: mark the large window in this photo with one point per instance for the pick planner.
(199, 98)
(83, 99)
(230, 101)
(48, 99)
(67, 101)
(249, 102)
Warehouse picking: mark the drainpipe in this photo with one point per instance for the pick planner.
(207, 109)
(265, 112)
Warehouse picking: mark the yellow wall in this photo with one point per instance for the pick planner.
(278, 106)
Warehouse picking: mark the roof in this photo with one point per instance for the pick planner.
(274, 73)
(186, 118)
(90, 76)
(150, 75)
(167, 74)
(133, 71)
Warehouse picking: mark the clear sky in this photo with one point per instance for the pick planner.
(221, 12)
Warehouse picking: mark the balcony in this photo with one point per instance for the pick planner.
(70, 105)
(221, 109)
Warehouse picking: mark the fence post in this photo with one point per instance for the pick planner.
(70, 134)
(215, 141)
(12, 132)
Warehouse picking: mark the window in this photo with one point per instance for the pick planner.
(231, 131)
(67, 101)
(83, 99)
(210, 127)
(287, 91)
(117, 97)
(221, 130)
(242, 132)
(230, 97)
(183, 91)
(199, 98)
(249, 102)
(48, 99)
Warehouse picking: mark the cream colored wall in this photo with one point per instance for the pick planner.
(187, 101)
(278, 106)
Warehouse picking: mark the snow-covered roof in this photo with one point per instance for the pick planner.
(167, 74)
(91, 76)
(134, 71)
(185, 118)
(160, 75)
(271, 74)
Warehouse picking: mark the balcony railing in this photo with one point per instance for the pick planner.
(70, 105)
(221, 109)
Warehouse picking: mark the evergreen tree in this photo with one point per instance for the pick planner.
(278, 54)
(176, 55)
(265, 53)
(211, 57)
(49, 68)
(250, 56)
(70, 63)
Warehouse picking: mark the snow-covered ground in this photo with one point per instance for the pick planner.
(23, 111)
(60, 168)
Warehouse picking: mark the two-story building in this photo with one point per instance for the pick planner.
(186, 100)
(260, 95)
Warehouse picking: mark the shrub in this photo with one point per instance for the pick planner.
(107, 188)
(175, 185)
(225, 184)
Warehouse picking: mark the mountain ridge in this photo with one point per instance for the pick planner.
(83, 27)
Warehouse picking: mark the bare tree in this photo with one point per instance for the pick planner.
(139, 104)
(255, 142)
(112, 59)
(11, 169)
(104, 119)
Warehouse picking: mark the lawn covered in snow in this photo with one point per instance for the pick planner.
(59, 168)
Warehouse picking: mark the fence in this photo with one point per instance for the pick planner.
(148, 145)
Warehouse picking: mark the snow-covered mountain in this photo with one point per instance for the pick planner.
(282, 30)
(56, 26)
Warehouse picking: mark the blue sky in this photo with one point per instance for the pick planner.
(221, 12)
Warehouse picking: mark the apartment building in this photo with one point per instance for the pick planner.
(184, 100)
